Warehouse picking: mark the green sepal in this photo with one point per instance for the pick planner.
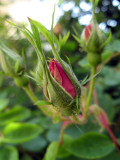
(59, 97)
(61, 40)
(94, 4)
(109, 37)
(86, 79)
(39, 72)
(43, 30)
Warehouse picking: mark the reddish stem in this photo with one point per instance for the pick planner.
(105, 124)
(65, 124)
(95, 96)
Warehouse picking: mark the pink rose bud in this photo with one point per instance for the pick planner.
(61, 77)
(93, 39)
(88, 30)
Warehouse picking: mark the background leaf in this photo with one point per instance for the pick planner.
(9, 153)
(91, 146)
(3, 103)
(20, 132)
(17, 113)
(51, 151)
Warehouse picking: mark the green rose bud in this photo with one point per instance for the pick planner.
(11, 63)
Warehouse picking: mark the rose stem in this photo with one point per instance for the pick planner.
(91, 88)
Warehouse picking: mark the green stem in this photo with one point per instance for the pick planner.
(30, 94)
(92, 83)
(1, 139)
(33, 98)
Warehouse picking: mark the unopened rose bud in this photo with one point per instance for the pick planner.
(11, 63)
(59, 89)
(61, 77)
(92, 38)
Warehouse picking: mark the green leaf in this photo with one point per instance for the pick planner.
(36, 144)
(91, 145)
(112, 156)
(20, 132)
(8, 153)
(114, 46)
(62, 152)
(51, 151)
(3, 104)
(17, 113)
(106, 54)
(26, 157)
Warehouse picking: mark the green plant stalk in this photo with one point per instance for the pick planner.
(30, 94)
(90, 93)
(32, 97)
(1, 139)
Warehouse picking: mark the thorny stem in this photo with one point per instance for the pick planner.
(90, 93)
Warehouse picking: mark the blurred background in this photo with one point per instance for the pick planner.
(68, 14)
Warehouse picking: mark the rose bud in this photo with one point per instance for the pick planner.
(13, 66)
(61, 77)
(92, 38)
(11, 63)
(60, 85)
(59, 89)
(93, 41)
